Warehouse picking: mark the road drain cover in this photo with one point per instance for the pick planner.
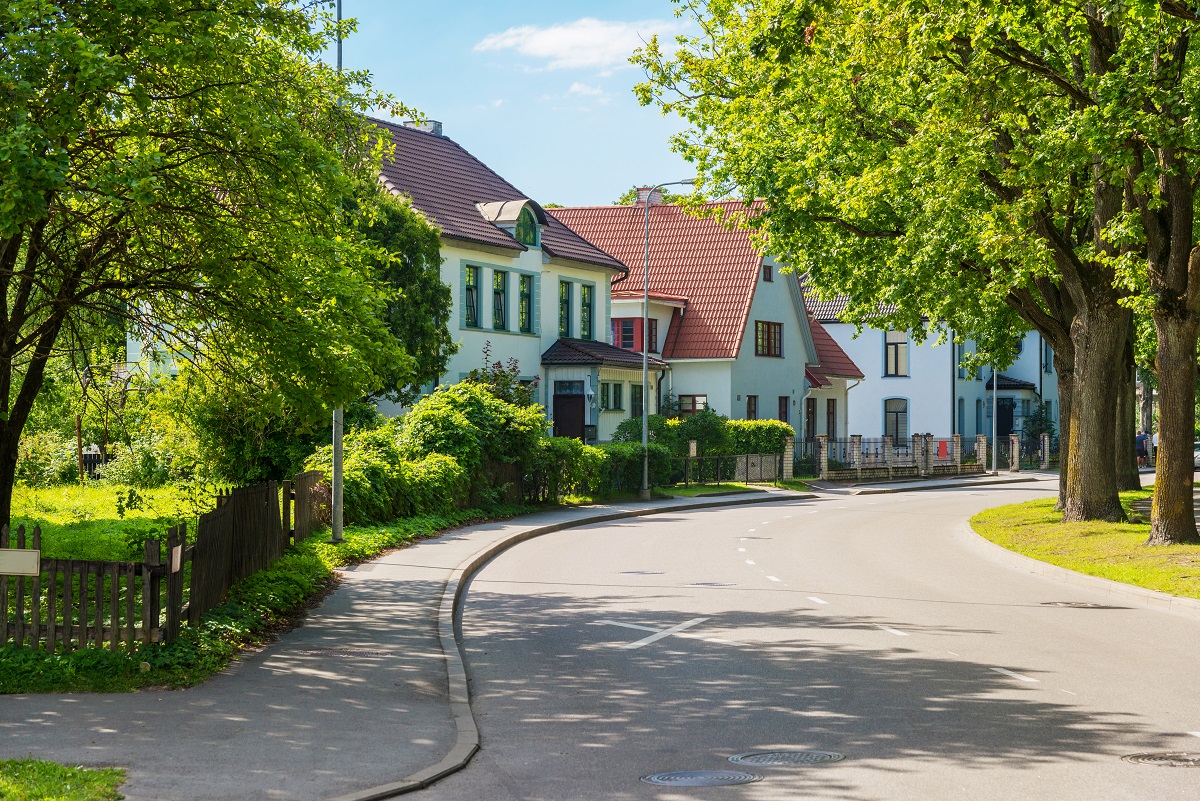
(783, 758)
(1172, 759)
(701, 778)
(342, 652)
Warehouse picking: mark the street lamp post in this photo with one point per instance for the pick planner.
(995, 441)
(644, 494)
(335, 523)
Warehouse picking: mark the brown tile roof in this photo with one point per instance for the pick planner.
(445, 182)
(636, 294)
(832, 360)
(697, 258)
(831, 310)
(588, 351)
(1008, 382)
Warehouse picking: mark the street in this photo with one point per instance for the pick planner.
(867, 626)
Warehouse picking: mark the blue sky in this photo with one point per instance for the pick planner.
(541, 92)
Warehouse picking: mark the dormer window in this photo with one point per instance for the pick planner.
(527, 231)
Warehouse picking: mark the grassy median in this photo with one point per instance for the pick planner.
(37, 780)
(1109, 550)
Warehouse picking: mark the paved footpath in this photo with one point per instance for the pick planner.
(355, 698)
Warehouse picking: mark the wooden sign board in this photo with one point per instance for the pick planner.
(20, 562)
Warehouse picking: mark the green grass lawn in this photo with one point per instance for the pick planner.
(693, 490)
(1109, 550)
(100, 521)
(36, 780)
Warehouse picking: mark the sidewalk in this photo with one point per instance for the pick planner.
(361, 696)
(944, 482)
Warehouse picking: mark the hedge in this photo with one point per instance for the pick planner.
(757, 436)
(624, 467)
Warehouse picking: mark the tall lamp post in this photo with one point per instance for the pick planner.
(995, 440)
(645, 491)
(335, 524)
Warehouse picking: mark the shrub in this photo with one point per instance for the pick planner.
(757, 436)
(663, 430)
(709, 431)
(145, 464)
(46, 458)
(566, 466)
(624, 467)
(434, 485)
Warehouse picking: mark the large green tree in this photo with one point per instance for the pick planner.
(195, 170)
(923, 154)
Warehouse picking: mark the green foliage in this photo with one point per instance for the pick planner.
(47, 458)
(568, 467)
(38, 780)
(1037, 423)
(144, 463)
(708, 429)
(466, 421)
(663, 430)
(757, 436)
(624, 467)
(629, 197)
(503, 379)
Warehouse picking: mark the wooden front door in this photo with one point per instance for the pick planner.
(568, 416)
(1004, 416)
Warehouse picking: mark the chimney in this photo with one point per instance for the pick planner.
(644, 192)
(429, 126)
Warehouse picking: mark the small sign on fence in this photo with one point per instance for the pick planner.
(20, 562)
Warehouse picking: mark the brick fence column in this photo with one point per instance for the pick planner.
(930, 454)
(789, 458)
(888, 454)
(981, 454)
(956, 452)
(1045, 452)
(822, 455)
(856, 454)
(918, 452)
(1014, 453)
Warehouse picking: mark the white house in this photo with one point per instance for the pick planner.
(520, 280)
(731, 327)
(913, 388)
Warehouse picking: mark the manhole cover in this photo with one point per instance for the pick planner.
(782, 758)
(342, 652)
(701, 778)
(1173, 759)
(1075, 605)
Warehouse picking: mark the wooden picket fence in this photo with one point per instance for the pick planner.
(75, 604)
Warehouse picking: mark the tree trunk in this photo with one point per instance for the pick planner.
(1147, 402)
(1065, 368)
(1125, 446)
(1099, 338)
(1172, 517)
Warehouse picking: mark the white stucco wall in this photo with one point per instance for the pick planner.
(711, 377)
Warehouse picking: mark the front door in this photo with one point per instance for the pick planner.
(568, 416)
(1004, 416)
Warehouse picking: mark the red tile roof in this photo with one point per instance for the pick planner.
(445, 182)
(832, 360)
(698, 258)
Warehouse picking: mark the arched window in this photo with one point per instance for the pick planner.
(962, 414)
(895, 418)
(527, 233)
(978, 416)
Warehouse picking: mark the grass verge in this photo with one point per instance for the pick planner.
(37, 780)
(1109, 550)
(259, 606)
(694, 490)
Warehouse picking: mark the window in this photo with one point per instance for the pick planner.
(960, 352)
(653, 335)
(527, 232)
(618, 402)
(810, 417)
(471, 284)
(978, 416)
(1047, 358)
(605, 395)
(768, 273)
(962, 414)
(783, 408)
(525, 304)
(499, 300)
(690, 404)
(625, 334)
(896, 352)
(831, 417)
(768, 339)
(895, 419)
(635, 400)
(564, 309)
(751, 407)
(585, 311)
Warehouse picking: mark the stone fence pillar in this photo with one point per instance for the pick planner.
(856, 457)
(956, 452)
(888, 454)
(789, 458)
(918, 452)
(1014, 453)
(822, 455)
(1045, 461)
(981, 454)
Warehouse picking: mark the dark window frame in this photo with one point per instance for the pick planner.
(564, 309)
(768, 339)
(525, 304)
(471, 296)
(894, 349)
(688, 404)
(499, 300)
(751, 407)
(587, 302)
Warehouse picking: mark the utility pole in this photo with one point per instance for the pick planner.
(336, 521)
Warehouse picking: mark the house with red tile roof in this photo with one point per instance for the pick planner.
(521, 280)
(730, 325)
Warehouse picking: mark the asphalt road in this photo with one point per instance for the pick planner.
(869, 626)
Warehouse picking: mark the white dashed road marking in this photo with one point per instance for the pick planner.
(891, 630)
(817, 600)
(750, 561)
(772, 578)
(1017, 676)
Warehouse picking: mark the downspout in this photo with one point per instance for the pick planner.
(953, 385)
(658, 391)
(852, 386)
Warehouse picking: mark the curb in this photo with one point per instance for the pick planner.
(1150, 599)
(467, 742)
(948, 485)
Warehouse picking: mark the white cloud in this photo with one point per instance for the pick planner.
(497, 103)
(587, 43)
(584, 90)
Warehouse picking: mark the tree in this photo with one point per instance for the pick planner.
(998, 153)
(193, 170)
(630, 197)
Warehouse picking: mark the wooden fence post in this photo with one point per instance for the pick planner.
(286, 497)
(35, 603)
(152, 559)
(175, 541)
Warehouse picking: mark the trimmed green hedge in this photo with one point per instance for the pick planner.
(624, 467)
(757, 436)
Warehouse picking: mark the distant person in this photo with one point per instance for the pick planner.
(1154, 449)
(1140, 442)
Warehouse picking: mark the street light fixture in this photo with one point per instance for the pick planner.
(644, 494)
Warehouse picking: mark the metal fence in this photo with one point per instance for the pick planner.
(747, 468)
